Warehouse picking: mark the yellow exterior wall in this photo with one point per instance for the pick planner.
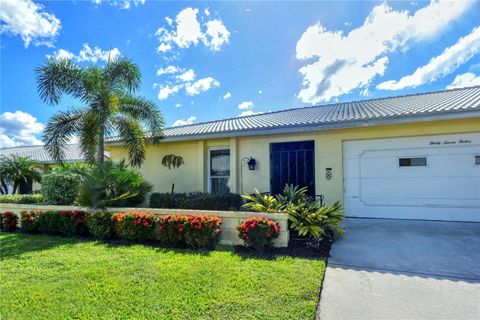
(328, 154)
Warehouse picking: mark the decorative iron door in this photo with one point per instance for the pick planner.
(292, 163)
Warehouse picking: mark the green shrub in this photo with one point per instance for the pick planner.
(29, 220)
(135, 225)
(50, 222)
(72, 168)
(61, 189)
(195, 231)
(73, 222)
(258, 233)
(101, 225)
(8, 221)
(112, 184)
(196, 200)
(20, 198)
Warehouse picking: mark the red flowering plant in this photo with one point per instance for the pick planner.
(258, 232)
(136, 225)
(73, 222)
(195, 231)
(29, 220)
(8, 221)
(101, 225)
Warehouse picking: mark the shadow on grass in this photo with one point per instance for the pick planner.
(15, 244)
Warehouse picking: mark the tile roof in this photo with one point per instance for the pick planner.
(448, 104)
(39, 154)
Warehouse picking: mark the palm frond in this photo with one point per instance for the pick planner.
(131, 133)
(145, 111)
(58, 76)
(123, 74)
(59, 130)
(88, 132)
(171, 160)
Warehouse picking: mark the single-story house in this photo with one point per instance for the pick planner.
(37, 153)
(414, 156)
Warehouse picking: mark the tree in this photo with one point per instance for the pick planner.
(109, 108)
(172, 161)
(15, 170)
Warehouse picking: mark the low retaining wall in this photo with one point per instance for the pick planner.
(230, 219)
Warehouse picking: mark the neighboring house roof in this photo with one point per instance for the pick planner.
(39, 154)
(449, 104)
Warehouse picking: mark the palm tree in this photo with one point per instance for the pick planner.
(109, 108)
(16, 170)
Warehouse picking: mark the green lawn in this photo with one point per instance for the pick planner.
(44, 277)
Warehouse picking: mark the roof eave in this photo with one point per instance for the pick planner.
(322, 127)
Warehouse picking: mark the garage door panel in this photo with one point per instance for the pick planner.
(446, 188)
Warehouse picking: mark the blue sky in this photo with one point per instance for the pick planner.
(202, 61)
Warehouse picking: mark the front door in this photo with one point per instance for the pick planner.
(292, 163)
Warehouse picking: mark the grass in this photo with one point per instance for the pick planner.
(44, 277)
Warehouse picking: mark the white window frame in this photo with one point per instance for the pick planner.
(209, 177)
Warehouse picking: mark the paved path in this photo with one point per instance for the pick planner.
(397, 269)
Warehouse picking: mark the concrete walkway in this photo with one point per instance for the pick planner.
(398, 269)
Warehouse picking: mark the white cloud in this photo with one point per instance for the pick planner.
(167, 90)
(184, 122)
(260, 91)
(445, 63)
(19, 128)
(87, 54)
(201, 85)
(468, 79)
(246, 105)
(28, 20)
(178, 105)
(168, 70)
(227, 95)
(186, 30)
(337, 63)
(248, 113)
(187, 76)
(124, 4)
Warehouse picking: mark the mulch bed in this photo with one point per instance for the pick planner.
(297, 247)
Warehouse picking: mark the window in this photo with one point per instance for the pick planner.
(219, 171)
(412, 162)
(477, 160)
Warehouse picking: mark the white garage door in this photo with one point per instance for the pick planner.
(433, 178)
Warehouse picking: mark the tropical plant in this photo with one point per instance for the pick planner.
(100, 225)
(261, 202)
(172, 161)
(109, 107)
(313, 221)
(16, 170)
(112, 184)
(306, 216)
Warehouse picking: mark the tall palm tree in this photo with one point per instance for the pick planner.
(109, 107)
(16, 170)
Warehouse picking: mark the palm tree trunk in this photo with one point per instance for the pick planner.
(101, 147)
(15, 187)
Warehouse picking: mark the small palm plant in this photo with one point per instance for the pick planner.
(16, 170)
(172, 161)
(108, 107)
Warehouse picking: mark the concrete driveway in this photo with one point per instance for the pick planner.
(403, 269)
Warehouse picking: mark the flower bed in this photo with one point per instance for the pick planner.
(8, 221)
(258, 233)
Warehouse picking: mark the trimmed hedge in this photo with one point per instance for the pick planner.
(196, 200)
(66, 223)
(21, 198)
(101, 225)
(29, 220)
(135, 226)
(194, 231)
(8, 221)
(61, 189)
(258, 233)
